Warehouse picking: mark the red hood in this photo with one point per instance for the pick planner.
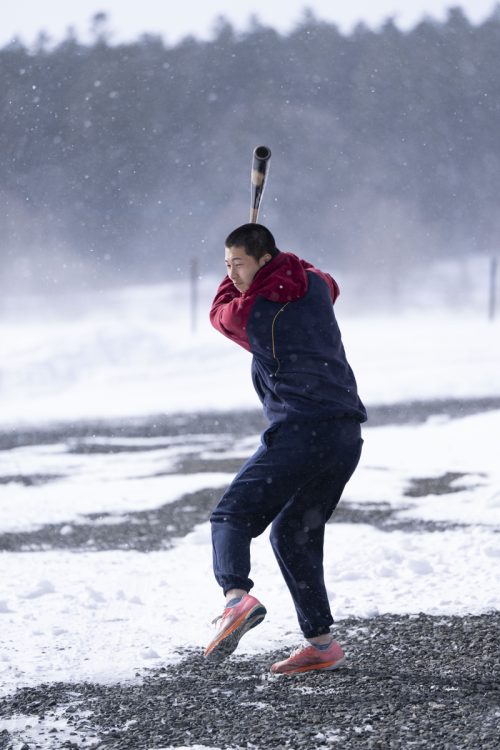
(283, 279)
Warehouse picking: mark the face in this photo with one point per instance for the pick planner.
(241, 268)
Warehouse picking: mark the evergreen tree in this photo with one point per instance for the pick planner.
(121, 161)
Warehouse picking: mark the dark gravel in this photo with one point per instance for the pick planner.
(159, 528)
(242, 423)
(410, 682)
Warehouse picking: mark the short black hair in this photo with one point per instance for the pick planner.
(255, 239)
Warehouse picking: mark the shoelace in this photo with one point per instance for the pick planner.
(216, 620)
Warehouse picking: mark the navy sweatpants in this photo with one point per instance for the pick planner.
(294, 482)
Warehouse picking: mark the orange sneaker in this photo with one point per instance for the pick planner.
(234, 622)
(309, 658)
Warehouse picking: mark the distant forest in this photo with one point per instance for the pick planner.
(122, 162)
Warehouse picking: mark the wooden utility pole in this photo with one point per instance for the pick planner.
(493, 289)
(193, 293)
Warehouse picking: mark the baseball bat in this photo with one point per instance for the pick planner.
(260, 169)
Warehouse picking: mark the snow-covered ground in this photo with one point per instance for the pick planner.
(106, 615)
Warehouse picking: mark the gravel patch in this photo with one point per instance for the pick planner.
(242, 423)
(143, 531)
(158, 529)
(441, 485)
(410, 682)
(29, 480)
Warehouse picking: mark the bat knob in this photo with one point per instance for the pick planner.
(260, 168)
(261, 153)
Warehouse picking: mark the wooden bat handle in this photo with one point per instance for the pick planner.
(260, 169)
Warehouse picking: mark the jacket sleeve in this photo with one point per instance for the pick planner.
(330, 281)
(229, 313)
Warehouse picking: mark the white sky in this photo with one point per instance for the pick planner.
(173, 19)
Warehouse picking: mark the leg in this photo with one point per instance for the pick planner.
(290, 457)
(297, 537)
(257, 494)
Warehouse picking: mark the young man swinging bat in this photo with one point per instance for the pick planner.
(280, 308)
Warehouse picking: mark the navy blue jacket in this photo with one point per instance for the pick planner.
(286, 320)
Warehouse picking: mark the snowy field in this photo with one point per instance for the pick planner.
(107, 615)
(133, 351)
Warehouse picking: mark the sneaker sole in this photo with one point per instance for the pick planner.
(321, 667)
(229, 640)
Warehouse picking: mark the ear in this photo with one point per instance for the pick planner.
(265, 259)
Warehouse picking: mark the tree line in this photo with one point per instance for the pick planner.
(124, 161)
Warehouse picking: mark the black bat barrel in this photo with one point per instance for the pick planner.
(260, 168)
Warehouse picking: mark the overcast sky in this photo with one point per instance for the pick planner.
(174, 19)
